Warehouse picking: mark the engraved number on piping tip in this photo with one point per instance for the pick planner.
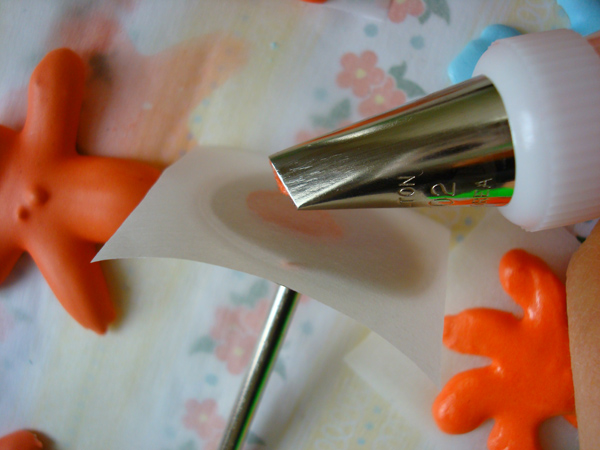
(444, 191)
(406, 190)
(442, 188)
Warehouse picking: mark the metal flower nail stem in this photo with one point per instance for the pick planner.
(260, 368)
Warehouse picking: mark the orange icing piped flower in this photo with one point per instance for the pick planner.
(57, 204)
(20, 440)
(529, 379)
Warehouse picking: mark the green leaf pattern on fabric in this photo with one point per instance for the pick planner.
(280, 369)
(189, 445)
(339, 112)
(254, 439)
(258, 291)
(411, 88)
(204, 344)
(438, 8)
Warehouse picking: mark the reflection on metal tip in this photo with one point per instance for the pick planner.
(450, 148)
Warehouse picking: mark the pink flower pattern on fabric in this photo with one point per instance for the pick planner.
(237, 331)
(212, 444)
(252, 320)
(204, 419)
(382, 99)
(236, 351)
(400, 9)
(360, 73)
(227, 321)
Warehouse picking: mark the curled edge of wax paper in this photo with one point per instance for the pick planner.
(387, 270)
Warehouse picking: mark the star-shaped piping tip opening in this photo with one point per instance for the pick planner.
(58, 205)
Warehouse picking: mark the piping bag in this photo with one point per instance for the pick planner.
(521, 135)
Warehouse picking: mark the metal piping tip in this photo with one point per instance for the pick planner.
(450, 148)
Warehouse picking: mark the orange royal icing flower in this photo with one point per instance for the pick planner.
(20, 440)
(529, 379)
(57, 204)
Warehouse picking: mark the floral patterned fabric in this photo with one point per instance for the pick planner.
(166, 76)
